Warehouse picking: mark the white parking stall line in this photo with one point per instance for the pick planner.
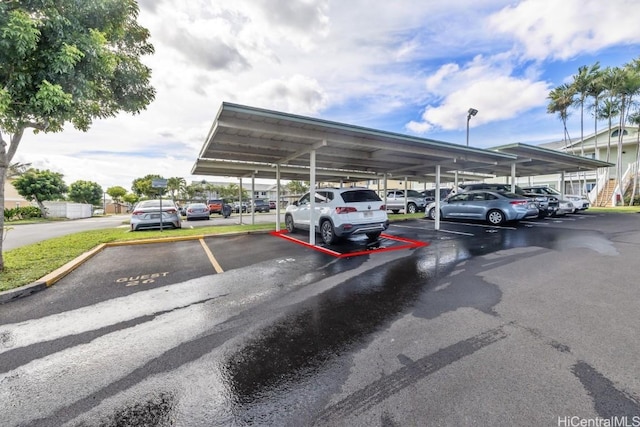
(444, 231)
(534, 223)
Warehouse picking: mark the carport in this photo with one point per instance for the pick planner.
(249, 142)
(533, 160)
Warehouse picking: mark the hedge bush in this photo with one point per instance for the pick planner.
(23, 212)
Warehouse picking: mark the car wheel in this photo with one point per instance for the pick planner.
(542, 214)
(432, 213)
(412, 208)
(495, 217)
(373, 236)
(327, 232)
(288, 222)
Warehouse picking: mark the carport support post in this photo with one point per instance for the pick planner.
(384, 186)
(277, 196)
(513, 177)
(312, 197)
(437, 198)
(240, 198)
(253, 198)
(562, 184)
(405, 195)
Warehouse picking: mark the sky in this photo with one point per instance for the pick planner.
(408, 66)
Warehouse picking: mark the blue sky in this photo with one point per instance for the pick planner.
(407, 66)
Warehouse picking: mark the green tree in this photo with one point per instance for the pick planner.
(560, 99)
(116, 193)
(130, 198)
(142, 187)
(39, 186)
(85, 192)
(297, 187)
(582, 82)
(67, 61)
(175, 186)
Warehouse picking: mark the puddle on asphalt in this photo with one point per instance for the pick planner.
(330, 324)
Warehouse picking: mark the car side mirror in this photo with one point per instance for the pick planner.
(295, 203)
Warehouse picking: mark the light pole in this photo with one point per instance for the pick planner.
(472, 112)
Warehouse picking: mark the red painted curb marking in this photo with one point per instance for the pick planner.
(410, 244)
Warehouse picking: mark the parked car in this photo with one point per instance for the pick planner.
(547, 205)
(396, 201)
(236, 207)
(495, 207)
(215, 205)
(197, 211)
(579, 202)
(272, 204)
(430, 195)
(339, 213)
(564, 207)
(147, 214)
(260, 206)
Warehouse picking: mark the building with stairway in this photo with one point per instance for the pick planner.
(605, 186)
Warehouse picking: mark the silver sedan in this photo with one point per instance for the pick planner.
(149, 214)
(197, 211)
(495, 207)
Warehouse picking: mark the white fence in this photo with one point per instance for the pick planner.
(68, 210)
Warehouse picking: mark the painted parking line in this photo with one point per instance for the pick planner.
(212, 259)
(444, 231)
(404, 243)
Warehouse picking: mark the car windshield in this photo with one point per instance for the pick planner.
(355, 196)
(153, 204)
(413, 193)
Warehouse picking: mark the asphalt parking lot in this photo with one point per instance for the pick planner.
(532, 323)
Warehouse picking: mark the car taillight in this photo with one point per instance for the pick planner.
(136, 212)
(518, 202)
(190, 210)
(345, 209)
(171, 211)
(383, 208)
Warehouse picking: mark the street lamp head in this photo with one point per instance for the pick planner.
(472, 112)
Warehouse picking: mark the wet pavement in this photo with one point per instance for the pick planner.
(470, 325)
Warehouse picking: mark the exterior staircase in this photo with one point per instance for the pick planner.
(605, 195)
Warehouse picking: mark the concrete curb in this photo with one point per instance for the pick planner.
(51, 278)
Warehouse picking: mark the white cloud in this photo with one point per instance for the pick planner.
(485, 84)
(563, 29)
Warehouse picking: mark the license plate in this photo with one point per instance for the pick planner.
(368, 214)
(155, 216)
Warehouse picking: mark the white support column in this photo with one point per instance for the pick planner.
(278, 197)
(312, 197)
(240, 199)
(513, 177)
(253, 198)
(455, 181)
(384, 186)
(405, 195)
(437, 196)
(562, 185)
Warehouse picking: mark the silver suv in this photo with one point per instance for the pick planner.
(339, 212)
(415, 201)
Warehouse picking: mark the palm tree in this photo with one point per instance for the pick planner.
(595, 90)
(560, 99)
(581, 84)
(628, 85)
(175, 185)
(635, 120)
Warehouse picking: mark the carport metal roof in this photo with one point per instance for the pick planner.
(247, 141)
(533, 160)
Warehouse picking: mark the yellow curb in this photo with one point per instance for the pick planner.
(59, 273)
